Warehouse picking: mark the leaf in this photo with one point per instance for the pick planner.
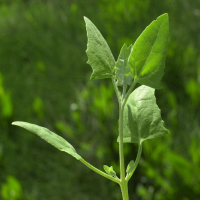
(130, 167)
(109, 170)
(50, 137)
(142, 119)
(99, 54)
(123, 73)
(147, 58)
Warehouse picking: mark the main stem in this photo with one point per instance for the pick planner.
(122, 101)
(123, 183)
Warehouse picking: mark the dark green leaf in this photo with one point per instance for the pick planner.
(142, 119)
(99, 54)
(147, 59)
(50, 137)
(123, 73)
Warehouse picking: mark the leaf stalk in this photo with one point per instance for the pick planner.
(115, 179)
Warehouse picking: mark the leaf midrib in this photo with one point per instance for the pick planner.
(151, 49)
(103, 49)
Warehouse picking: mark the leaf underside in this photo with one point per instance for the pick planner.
(142, 119)
(147, 58)
(50, 137)
(99, 54)
(123, 73)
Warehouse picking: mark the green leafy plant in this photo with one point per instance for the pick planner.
(139, 115)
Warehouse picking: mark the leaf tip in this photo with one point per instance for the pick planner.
(16, 123)
(84, 17)
(164, 15)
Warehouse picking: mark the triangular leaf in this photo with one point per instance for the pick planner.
(130, 167)
(50, 137)
(142, 119)
(99, 54)
(147, 58)
(123, 73)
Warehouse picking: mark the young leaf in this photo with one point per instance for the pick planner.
(123, 73)
(142, 119)
(130, 167)
(109, 170)
(99, 54)
(147, 58)
(50, 137)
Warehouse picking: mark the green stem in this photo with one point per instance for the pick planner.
(124, 190)
(99, 171)
(124, 183)
(121, 144)
(122, 102)
(136, 161)
(116, 90)
(129, 91)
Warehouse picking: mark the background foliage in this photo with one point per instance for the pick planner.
(44, 79)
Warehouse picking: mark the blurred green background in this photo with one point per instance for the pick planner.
(44, 79)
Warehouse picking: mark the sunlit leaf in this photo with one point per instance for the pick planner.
(123, 73)
(142, 119)
(50, 137)
(147, 58)
(99, 54)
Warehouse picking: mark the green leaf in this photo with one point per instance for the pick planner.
(147, 59)
(123, 73)
(142, 119)
(109, 170)
(50, 137)
(99, 54)
(11, 189)
(130, 167)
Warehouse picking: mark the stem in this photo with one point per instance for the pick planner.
(129, 91)
(99, 171)
(136, 161)
(121, 145)
(124, 189)
(124, 90)
(123, 183)
(116, 90)
(122, 102)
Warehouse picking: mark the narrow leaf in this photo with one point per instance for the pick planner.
(147, 58)
(123, 73)
(50, 137)
(99, 54)
(130, 167)
(142, 119)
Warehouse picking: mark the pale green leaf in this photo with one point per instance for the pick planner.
(123, 73)
(109, 170)
(99, 54)
(106, 168)
(50, 137)
(142, 119)
(130, 167)
(147, 58)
